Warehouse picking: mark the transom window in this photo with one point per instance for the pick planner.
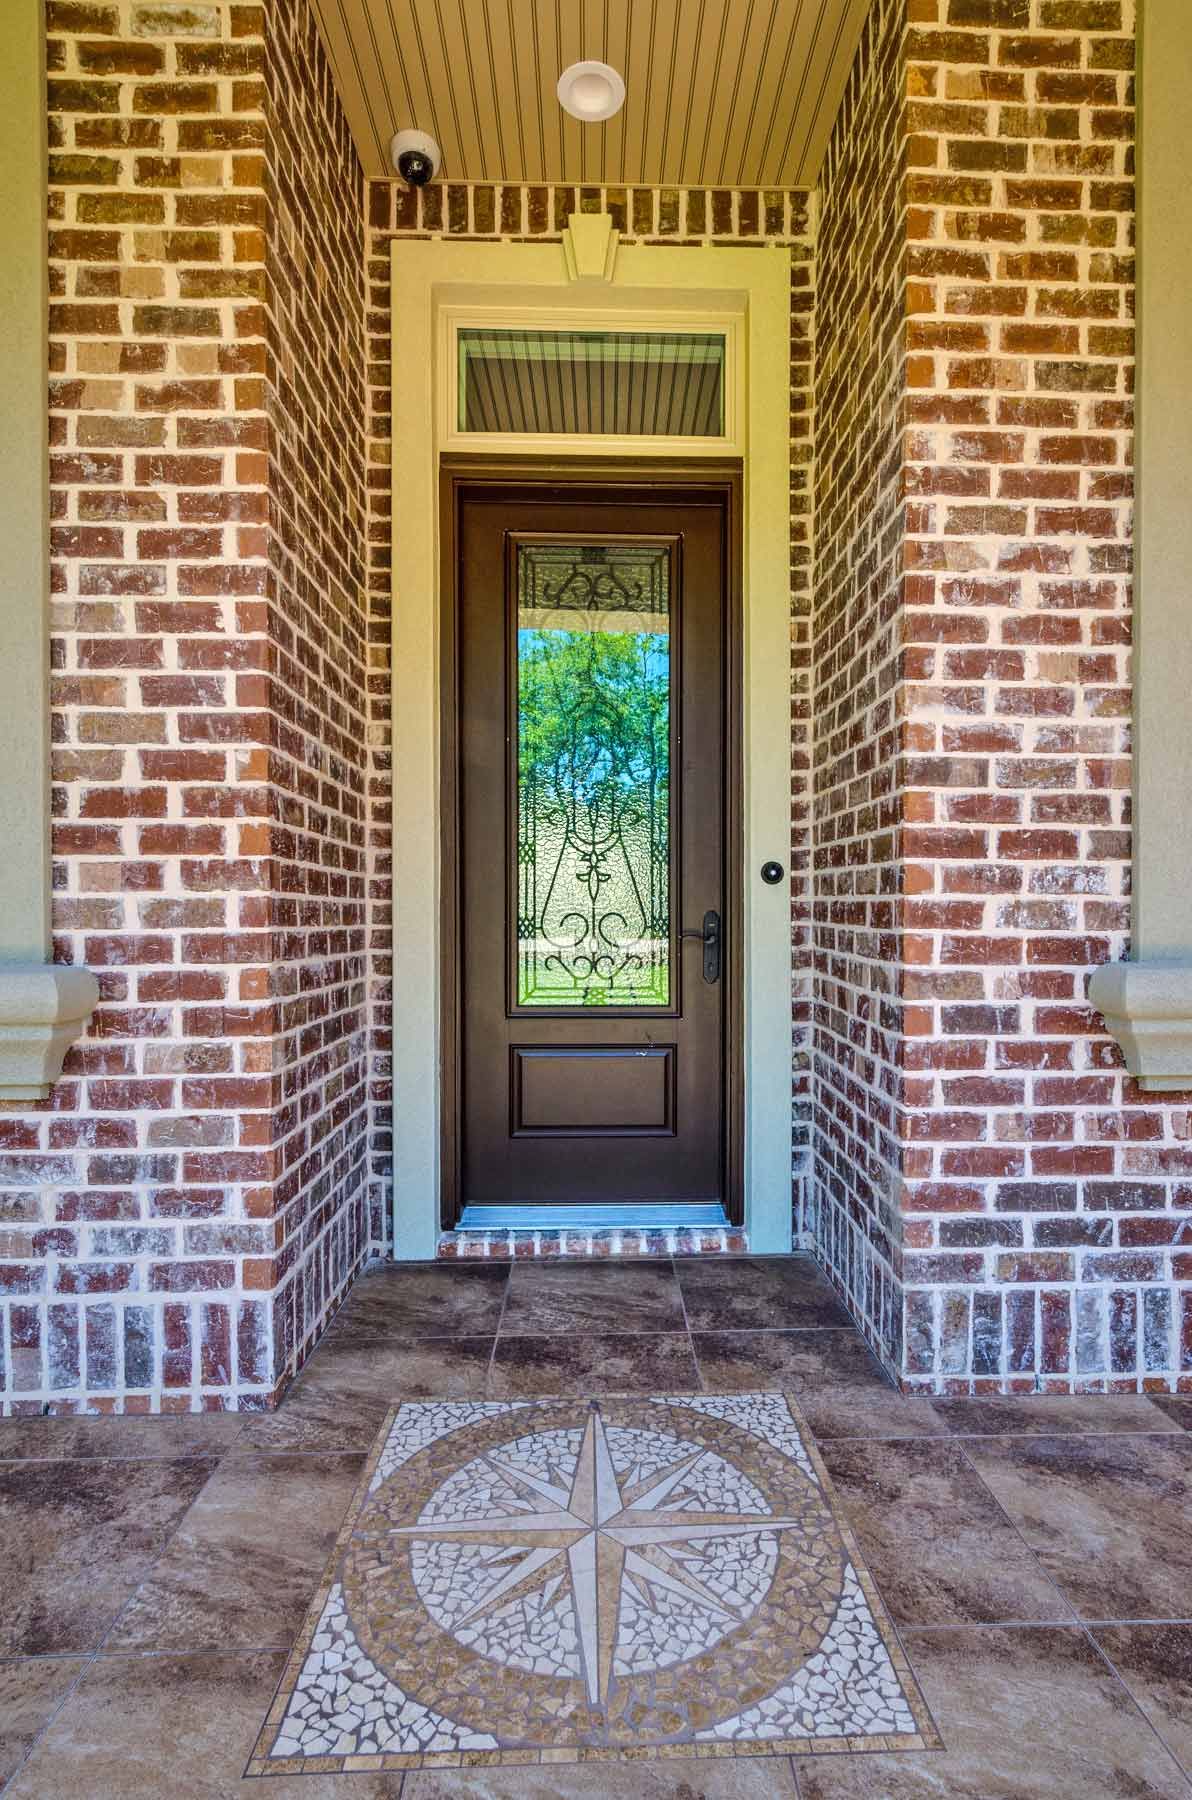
(611, 381)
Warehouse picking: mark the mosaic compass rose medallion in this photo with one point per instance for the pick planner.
(570, 1580)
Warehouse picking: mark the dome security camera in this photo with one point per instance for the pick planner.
(416, 157)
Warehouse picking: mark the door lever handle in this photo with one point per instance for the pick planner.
(709, 936)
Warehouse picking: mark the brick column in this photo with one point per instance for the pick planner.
(1000, 1198)
(186, 1208)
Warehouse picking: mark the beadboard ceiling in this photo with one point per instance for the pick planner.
(733, 93)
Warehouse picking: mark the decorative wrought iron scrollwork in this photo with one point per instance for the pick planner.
(593, 849)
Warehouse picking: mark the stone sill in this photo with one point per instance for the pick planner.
(1147, 1007)
(44, 1007)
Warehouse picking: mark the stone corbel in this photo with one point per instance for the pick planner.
(44, 1007)
(590, 247)
(1147, 1008)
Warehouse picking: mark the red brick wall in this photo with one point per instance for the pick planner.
(857, 662)
(1039, 1197)
(317, 692)
(181, 1213)
(1030, 1199)
(1001, 1204)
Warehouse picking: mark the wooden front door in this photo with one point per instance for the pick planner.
(593, 765)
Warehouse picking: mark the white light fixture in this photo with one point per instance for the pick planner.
(591, 91)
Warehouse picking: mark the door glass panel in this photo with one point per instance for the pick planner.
(593, 790)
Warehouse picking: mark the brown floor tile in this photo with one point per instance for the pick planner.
(144, 1727)
(242, 1567)
(76, 1538)
(1025, 1714)
(425, 1300)
(190, 1434)
(29, 1692)
(1155, 1662)
(757, 1293)
(340, 1399)
(933, 1536)
(1052, 1414)
(548, 1297)
(761, 1778)
(315, 1419)
(596, 1363)
(837, 1382)
(1176, 1407)
(1106, 1516)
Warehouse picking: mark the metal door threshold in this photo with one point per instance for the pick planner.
(613, 1217)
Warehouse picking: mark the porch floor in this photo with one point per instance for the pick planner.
(1034, 1555)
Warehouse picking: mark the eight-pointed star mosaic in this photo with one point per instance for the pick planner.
(609, 1531)
(557, 1580)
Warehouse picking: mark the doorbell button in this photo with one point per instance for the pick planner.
(772, 872)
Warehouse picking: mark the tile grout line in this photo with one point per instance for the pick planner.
(91, 1657)
(1083, 1625)
(1029, 1548)
(1080, 1624)
(157, 1560)
(150, 1654)
(1098, 1650)
(443, 1337)
(696, 1364)
(992, 1437)
(86, 1661)
(1046, 1624)
(237, 1449)
(492, 1355)
(246, 1450)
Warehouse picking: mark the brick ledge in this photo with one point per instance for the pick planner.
(519, 1245)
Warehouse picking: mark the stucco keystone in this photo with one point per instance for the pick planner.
(43, 1009)
(590, 247)
(1147, 1008)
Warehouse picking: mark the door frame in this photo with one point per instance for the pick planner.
(754, 284)
(593, 479)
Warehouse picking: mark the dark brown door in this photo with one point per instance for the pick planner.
(592, 848)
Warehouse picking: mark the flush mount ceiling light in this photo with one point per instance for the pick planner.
(591, 91)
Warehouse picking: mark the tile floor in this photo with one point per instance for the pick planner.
(1035, 1555)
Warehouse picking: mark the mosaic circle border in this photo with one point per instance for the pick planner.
(926, 1737)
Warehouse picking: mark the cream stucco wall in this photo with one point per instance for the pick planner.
(24, 530)
(1147, 1002)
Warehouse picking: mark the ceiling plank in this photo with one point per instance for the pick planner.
(616, 21)
(730, 93)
